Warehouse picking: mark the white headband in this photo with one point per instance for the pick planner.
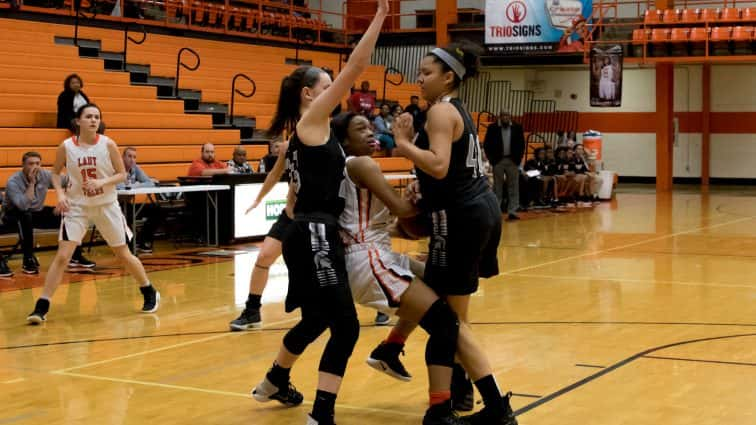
(450, 60)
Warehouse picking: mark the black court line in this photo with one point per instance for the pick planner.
(700, 360)
(526, 395)
(616, 366)
(589, 365)
(88, 341)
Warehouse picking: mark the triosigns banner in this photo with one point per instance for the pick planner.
(532, 26)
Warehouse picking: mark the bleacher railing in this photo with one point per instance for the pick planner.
(715, 30)
(391, 70)
(180, 65)
(127, 38)
(235, 91)
(266, 19)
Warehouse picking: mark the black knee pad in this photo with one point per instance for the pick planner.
(442, 325)
(344, 334)
(303, 334)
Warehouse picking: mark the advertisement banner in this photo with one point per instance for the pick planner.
(532, 26)
(606, 76)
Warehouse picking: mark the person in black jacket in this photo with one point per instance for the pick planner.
(504, 146)
(71, 99)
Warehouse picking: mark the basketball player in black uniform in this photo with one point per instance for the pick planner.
(311, 245)
(466, 223)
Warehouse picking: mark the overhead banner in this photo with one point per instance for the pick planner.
(532, 26)
(606, 76)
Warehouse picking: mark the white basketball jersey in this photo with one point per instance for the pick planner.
(93, 162)
(607, 73)
(365, 218)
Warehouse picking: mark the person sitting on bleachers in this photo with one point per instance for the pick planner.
(238, 164)
(70, 100)
(207, 165)
(382, 124)
(24, 207)
(363, 102)
(269, 160)
(135, 178)
(418, 114)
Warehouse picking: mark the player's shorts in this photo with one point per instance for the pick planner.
(314, 254)
(463, 246)
(108, 219)
(278, 229)
(377, 276)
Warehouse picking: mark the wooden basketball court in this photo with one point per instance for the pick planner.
(640, 311)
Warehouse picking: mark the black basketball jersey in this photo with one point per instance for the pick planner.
(466, 178)
(316, 173)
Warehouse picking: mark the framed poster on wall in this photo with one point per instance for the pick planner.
(606, 76)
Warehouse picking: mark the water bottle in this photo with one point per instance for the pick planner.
(262, 165)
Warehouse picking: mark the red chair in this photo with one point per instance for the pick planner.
(689, 16)
(730, 14)
(709, 15)
(671, 16)
(639, 36)
(653, 17)
(742, 34)
(659, 35)
(719, 34)
(199, 12)
(679, 35)
(749, 14)
(698, 34)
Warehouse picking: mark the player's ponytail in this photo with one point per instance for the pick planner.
(290, 98)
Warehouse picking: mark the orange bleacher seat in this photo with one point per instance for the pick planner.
(698, 34)
(689, 16)
(652, 17)
(709, 15)
(742, 34)
(671, 16)
(730, 14)
(199, 12)
(639, 36)
(679, 35)
(659, 35)
(720, 33)
(749, 14)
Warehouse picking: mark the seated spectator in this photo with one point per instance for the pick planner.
(135, 177)
(269, 160)
(418, 114)
(537, 186)
(207, 165)
(362, 102)
(238, 164)
(396, 110)
(579, 169)
(24, 206)
(550, 170)
(594, 181)
(69, 101)
(383, 123)
(565, 179)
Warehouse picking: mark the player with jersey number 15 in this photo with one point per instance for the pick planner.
(94, 166)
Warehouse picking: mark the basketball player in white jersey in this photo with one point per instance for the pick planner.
(94, 167)
(387, 281)
(606, 83)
